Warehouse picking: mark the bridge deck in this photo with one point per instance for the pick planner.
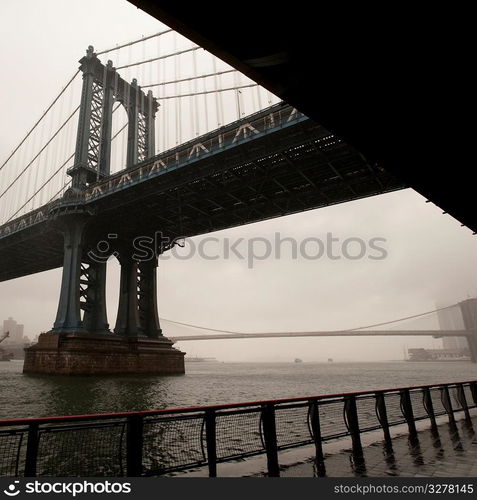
(331, 333)
(274, 163)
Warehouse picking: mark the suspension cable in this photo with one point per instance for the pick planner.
(207, 92)
(39, 153)
(41, 118)
(403, 319)
(41, 187)
(185, 51)
(198, 77)
(119, 131)
(122, 128)
(139, 40)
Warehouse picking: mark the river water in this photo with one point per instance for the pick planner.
(209, 383)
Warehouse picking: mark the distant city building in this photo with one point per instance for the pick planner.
(15, 330)
(451, 319)
(421, 354)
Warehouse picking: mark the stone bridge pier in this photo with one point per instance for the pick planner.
(81, 341)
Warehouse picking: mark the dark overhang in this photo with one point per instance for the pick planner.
(390, 79)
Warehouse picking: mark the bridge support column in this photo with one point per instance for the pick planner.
(147, 299)
(472, 341)
(68, 317)
(127, 322)
(95, 318)
(137, 310)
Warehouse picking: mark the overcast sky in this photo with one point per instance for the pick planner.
(430, 258)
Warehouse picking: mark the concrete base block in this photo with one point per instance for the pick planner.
(80, 353)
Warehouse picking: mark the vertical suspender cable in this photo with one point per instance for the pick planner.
(39, 120)
(196, 100)
(59, 150)
(258, 90)
(178, 117)
(269, 96)
(71, 136)
(217, 78)
(125, 141)
(191, 100)
(206, 107)
(163, 109)
(44, 164)
(35, 164)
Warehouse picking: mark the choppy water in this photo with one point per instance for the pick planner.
(209, 383)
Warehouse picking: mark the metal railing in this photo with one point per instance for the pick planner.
(163, 441)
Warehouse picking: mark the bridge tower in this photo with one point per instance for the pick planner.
(81, 341)
(102, 86)
(469, 314)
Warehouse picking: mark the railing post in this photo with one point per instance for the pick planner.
(473, 390)
(429, 407)
(32, 450)
(314, 413)
(270, 438)
(406, 408)
(134, 442)
(352, 423)
(383, 416)
(463, 401)
(210, 437)
(447, 403)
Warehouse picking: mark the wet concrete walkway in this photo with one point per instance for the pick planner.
(451, 452)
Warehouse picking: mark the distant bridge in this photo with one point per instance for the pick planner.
(467, 310)
(329, 333)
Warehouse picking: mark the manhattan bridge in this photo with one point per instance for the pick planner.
(156, 135)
